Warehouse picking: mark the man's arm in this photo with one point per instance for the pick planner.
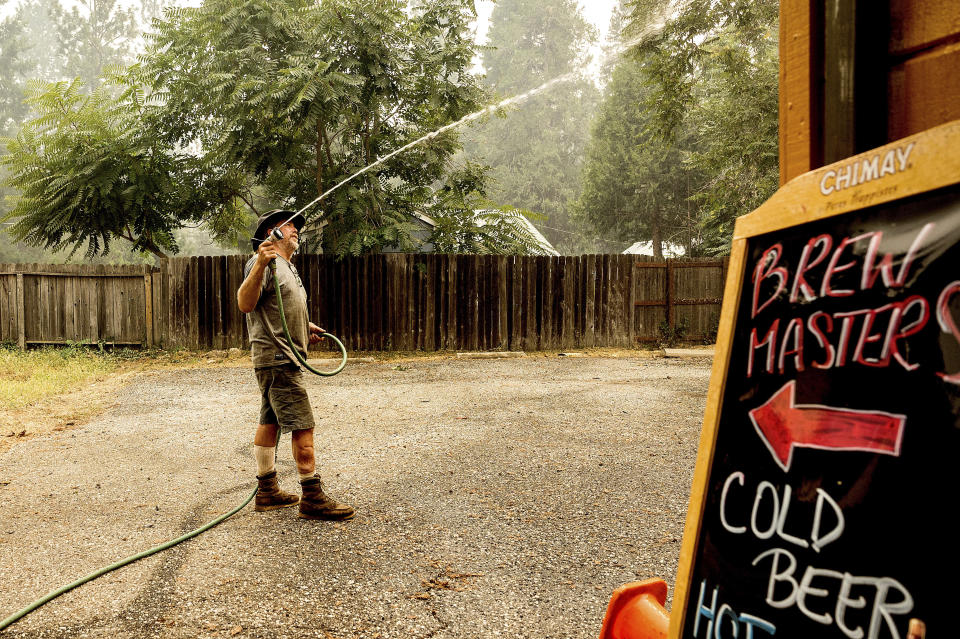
(249, 292)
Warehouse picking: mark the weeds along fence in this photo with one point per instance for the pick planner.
(377, 302)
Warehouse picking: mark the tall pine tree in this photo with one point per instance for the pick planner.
(686, 137)
(635, 182)
(712, 71)
(536, 150)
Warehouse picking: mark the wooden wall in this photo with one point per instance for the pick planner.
(800, 77)
(924, 83)
(915, 72)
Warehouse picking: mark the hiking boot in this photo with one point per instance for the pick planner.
(269, 495)
(315, 504)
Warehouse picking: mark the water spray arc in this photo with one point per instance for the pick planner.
(517, 99)
(649, 30)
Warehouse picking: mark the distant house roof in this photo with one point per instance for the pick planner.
(518, 221)
(646, 248)
(427, 225)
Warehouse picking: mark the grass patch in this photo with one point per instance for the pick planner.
(27, 377)
(53, 388)
(36, 374)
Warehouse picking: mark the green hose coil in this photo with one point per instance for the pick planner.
(286, 332)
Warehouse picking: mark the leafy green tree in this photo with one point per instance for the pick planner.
(636, 185)
(677, 46)
(240, 100)
(89, 171)
(686, 139)
(93, 37)
(736, 135)
(713, 71)
(15, 68)
(80, 42)
(151, 10)
(300, 96)
(468, 222)
(44, 41)
(536, 150)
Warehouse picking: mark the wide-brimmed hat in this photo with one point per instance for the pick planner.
(271, 219)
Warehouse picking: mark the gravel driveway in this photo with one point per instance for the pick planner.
(495, 498)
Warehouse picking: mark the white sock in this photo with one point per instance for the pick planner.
(305, 476)
(266, 455)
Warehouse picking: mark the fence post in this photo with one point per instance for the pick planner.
(148, 308)
(631, 302)
(669, 298)
(21, 315)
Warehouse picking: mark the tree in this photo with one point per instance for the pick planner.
(300, 96)
(255, 98)
(696, 103)
(15, 68)
(41, 40)
(635, 184)
(536, 150)
(713, 70)
(88, 172)
(94, 37)
(691, 38)
(80, 42)
(151, 10)
(614, 45)
(468, 222)
(736, 134)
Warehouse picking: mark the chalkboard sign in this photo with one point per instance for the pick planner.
(825, 493)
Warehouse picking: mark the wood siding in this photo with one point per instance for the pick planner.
(916, 78)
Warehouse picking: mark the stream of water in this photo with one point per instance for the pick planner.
(653, 27)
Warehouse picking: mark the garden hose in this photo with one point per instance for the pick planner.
(286, 332)
(173, 542)
(123, 562)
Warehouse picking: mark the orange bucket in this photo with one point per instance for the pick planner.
(636, 611)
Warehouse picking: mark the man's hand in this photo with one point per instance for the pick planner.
(266, 253)
(315, 333)
(249, 292)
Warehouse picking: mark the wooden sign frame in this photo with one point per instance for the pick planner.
(920, 163)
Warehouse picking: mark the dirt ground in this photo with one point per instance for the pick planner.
(495, 498)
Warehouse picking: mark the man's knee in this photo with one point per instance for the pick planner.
(303, 435)
(266, 435)
(302, 442)
(303, 450)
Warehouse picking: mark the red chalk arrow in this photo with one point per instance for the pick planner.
(782, 425)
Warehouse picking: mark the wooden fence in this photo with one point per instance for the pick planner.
(56, 304)
(376, 302)
(678, 299)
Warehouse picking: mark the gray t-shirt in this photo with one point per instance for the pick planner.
(268, 344)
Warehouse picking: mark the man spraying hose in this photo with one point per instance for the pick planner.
(285, 406)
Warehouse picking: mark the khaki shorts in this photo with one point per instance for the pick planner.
(284, 398)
